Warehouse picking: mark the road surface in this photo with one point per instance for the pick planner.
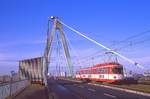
(73, 90)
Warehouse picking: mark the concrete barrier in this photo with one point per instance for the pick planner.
(11, 89)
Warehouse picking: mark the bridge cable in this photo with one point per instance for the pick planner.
(101, 45)
(76, 54)
(127, 39)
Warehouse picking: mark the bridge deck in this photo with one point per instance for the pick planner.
(67, 89)
(33, 92)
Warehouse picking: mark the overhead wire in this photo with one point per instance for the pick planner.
(132, 37)
(120, 42)
(132, 44)
(101, 45)
(125, 40)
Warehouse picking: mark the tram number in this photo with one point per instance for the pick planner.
(101, 76)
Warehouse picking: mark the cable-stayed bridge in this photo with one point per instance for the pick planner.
(35, 70)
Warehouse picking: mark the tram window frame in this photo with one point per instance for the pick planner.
(94, 71)
(106, 70)
(103, 70)
(117, 72)
(83, 72)
(97, 71)
(87, 71)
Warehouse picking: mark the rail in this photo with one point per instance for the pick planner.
(12, 88)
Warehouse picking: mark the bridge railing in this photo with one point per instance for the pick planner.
(12, 88)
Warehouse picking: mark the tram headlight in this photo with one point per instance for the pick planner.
(115, 77)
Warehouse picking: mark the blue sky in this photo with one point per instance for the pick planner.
(23, 25)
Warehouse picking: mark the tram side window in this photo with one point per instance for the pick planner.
(83, 72)
(97, 70)
(106, 70)
(87, 71)
(94, 71)
(103, 70)
(117, 70)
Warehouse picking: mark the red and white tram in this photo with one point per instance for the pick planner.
(107, 72)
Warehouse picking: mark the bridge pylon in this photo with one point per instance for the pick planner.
(36, 69)
(50, 37)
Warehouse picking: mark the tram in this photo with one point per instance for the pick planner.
(107, 72)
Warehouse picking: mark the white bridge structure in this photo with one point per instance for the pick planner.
(36, 69)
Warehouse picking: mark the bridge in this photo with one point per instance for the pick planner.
(35, 71)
